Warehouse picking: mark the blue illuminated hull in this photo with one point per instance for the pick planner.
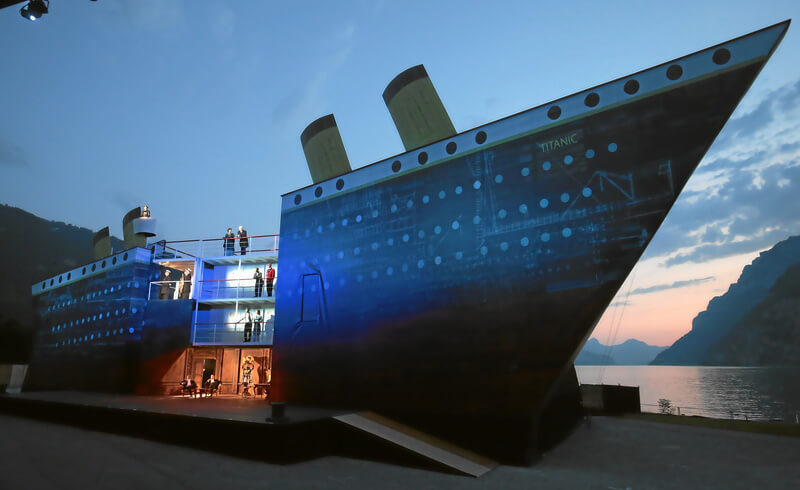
(463, 283)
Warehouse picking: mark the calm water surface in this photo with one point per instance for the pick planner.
(758, 393)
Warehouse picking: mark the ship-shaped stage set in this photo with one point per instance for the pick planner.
(450, 287)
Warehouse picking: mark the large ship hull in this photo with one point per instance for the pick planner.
(460, 285)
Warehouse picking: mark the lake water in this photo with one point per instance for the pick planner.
(757, 393)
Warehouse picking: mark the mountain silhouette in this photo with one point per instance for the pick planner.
(770, 334)
(632, 352)
(725, 312)
(33, 249)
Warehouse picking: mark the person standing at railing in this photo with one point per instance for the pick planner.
(243, 240)
(248, 325)
(270, 279)
(167, 289)
(257, 321)
(186, 284)
(259, 283)
(229, 239)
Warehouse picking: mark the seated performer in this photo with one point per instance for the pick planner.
(189, 386)
(212, 385)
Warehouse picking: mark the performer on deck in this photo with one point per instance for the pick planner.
(228, 242)
(270, 279)
(186, 284)
(248, 325)
(259, 283)
(243, 240)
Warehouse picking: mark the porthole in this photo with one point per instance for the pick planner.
(340, 184)
(44, 285)
(113, 261)
(422, 158)
(298, 199)
(591, 100)
(674, 72)
(125, 257)
(631, 87)
(94, 266)
(103, 265)
(396, 166)
(480, 138)
(69, 276)
(451, 147)
(554, 112)
(60, 279)
(51, 282)
(318, 191)
(721, 56)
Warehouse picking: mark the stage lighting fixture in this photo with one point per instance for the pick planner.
(34, 9)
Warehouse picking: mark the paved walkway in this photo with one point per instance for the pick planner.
(609, 454)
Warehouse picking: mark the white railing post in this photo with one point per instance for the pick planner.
(238, 282)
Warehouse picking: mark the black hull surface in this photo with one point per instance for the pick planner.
(458, 290)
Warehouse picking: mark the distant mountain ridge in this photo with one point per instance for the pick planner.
(770, 334)
(632, 352)
(32, 249)
(725, 313)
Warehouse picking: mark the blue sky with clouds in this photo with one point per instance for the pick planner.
(196, 107)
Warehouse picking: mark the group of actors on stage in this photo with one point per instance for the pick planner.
(252, 325)
(167, 288)
(259, 277)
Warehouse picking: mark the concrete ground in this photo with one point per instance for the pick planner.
(610, 453)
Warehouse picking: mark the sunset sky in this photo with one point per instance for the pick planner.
(196, 108)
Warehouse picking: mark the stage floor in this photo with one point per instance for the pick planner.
(223, 407)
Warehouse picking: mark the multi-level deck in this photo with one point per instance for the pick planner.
(122, 323)
(223, 287)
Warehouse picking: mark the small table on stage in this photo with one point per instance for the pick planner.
(264, 387)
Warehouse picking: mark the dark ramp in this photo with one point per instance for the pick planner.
(425, 445)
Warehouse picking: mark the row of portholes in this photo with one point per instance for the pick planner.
(91, 295)
(567, 159)
(90, 337)
(484, 250)
(544, 203)
(397, 165)
(525, 171)
(720, 57)
(83, 271)
(93, 318)
(566, 232)
(674, 72)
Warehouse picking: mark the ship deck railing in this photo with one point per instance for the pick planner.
(233, 289)
(232, 333)
(172, 289)
(225, 292)
(218, 250)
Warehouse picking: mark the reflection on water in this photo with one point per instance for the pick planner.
(757, 393)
